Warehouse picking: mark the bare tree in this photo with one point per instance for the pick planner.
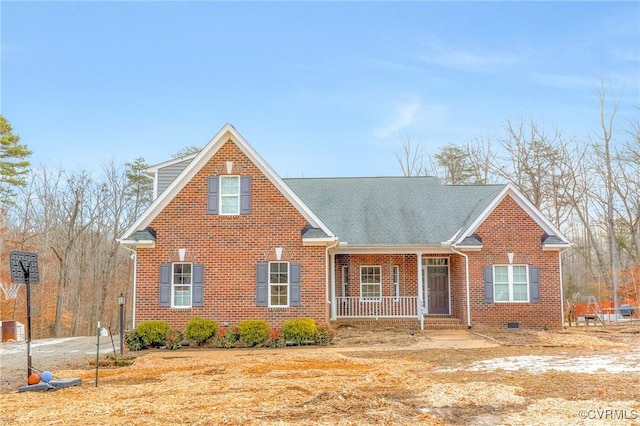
(628, 188)
(531, 160)
(606, 126)
(410, 158)
(482, 160)
(78, 215)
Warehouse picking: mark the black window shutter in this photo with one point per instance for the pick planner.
(164, 289)
(262, 275)
(245, 194)
(212, 195)
(197, 287)
(487, 281)
(294, 285)
(534, 283)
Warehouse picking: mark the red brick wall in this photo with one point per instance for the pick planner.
(510, 229)
(229, 248)
(407, 266)
(507, 229)
(458, 287)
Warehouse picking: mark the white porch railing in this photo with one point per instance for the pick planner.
(387, 306)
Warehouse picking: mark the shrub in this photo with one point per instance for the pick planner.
(133, 340)
(200, 330)
(253, 332)
(227, 337)
(300, 330)
(276, 339)
(324, 335)
(153, 333)
(174, 339)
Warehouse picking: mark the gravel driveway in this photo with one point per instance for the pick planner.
(49, 354)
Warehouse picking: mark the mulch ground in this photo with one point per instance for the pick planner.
(348, 383)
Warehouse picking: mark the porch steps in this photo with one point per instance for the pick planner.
(442, 323)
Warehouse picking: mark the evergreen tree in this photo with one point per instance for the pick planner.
(139, 189)
(14, 163)
(455, 165)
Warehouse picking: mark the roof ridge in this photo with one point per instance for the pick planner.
(362, 177)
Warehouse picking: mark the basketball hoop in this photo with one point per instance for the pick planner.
(10, 290)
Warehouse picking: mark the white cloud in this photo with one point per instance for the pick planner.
(410, 113)
(403, 117)
(467, 60)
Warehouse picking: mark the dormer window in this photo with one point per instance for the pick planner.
(229, 195)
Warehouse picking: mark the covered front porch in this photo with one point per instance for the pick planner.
(386, 286)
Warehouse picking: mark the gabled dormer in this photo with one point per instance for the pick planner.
(166, 172)
(228, 190)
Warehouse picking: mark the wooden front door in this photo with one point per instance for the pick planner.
(437, 290)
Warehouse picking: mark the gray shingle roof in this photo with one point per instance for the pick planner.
(393, 210)
(144, 235)
(314, 233)
(471, 241)
(551, 240)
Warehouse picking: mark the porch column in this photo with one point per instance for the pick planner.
(420, 294)
(332, 280)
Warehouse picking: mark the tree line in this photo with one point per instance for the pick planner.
(589, 188)
(72, 221)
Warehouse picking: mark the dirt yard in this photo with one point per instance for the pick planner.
(579, 376)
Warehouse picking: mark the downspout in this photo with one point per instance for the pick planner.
(561, 287)
(134, 257)
(331, 280)
(466, 275)
(420, 292)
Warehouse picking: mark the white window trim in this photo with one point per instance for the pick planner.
(395, 276)
(269, 284)
(345, 279)
(237, 195)
(437, 261)
(371, 299)
(510, 281)
(174, 285)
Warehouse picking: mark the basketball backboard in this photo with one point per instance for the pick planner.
(22, 261)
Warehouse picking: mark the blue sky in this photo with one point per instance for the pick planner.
(319, 89)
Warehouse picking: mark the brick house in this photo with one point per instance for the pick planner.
(226, 238)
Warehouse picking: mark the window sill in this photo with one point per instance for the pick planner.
(181, 309)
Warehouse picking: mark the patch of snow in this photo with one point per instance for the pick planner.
(19, 347)
(539, 364)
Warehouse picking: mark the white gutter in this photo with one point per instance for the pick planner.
(134, 257)
(466, 274)
(330, 278)
(420, 291)
(561, 287)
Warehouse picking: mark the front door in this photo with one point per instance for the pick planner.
(437, 290)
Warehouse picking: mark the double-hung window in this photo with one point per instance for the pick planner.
(370, 283)
(229, 195)
(511, 283)
(395, 276)
(181, 283)
(345, 280)
(279, 284)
